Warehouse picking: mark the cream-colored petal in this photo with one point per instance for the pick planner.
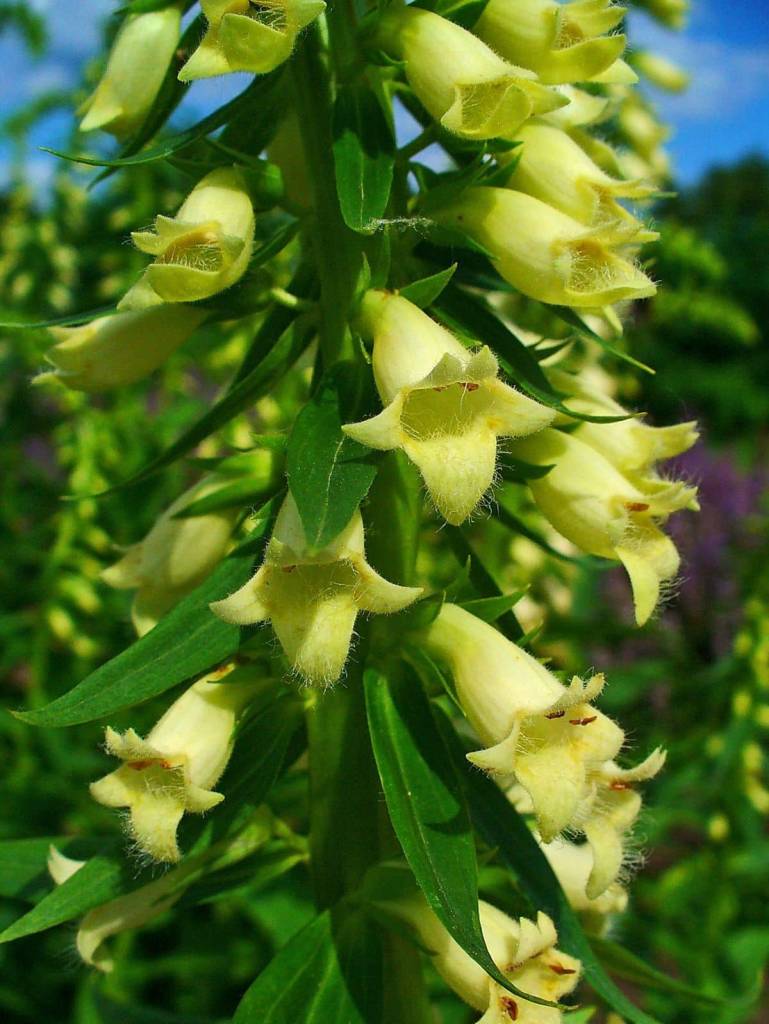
(382, 432)
(250, 603)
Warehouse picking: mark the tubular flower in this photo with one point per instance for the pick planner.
(135, 71)
(203, 250)
(583, 108)
(641, 129)
(573, 865)
(174, 557)
(460, 80)
(562, 42)
(546, 254)
(312, 598)
(248, 35)
(630, 445)
(547, 737)
(523, 950)
(660, 71)
(670, 12)
(545, 734)
(553, 168)
(445, 406)
(176, 767)
(113, 351)
(595, 506)
(125, 913)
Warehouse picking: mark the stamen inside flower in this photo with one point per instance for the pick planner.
(197, 250)
(271, 13)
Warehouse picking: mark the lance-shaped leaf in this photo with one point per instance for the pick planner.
(364, 157)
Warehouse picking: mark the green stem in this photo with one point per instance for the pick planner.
(338, 250)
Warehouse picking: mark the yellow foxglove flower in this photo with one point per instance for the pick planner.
(174, 557)
(248, 35)
(631, 445)
(117, 350)
(640, 128)
(444, 406)
(462, 82)
(583, 108)
(599, 509)
(552, 167)
(546, 254)
(618, 73)
(312, 598)
(523, 950)
(135, 70)
(176, 767)
(660, 71)
(616, 806)
(562, 42)
(572, 865)
(545, 734)
(203, 250)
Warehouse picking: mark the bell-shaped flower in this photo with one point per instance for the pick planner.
(562, 42)
(136, 67)
(573, 864)
(463, 83)
(583, 108)
(603, 512)
(176, 767)
(660, 71)
(546, 735)
(552, 167)
(248, 35)
(545, 253)
(113, 351)
(445, 407)
(631, 445)
(203, 250)
(175, 557)
(311, 597)
(522, 949)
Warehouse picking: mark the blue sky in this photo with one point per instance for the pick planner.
(724, 115)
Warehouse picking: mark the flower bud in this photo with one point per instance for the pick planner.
(604, 513)
(553, 168)
(174, 558)
(641, 129)
(660, 71)
(113, 351)
(135, 70)
(248, 35)
(523, 950)
(203, 250)
(176, 767)
(312, 598)
(546, 254)
(562, 42)
(460, 80)
(670, 12)
(630, 445)
(445, 406)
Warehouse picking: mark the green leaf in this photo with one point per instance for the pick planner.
(276, 359)
(481, 579)
(235, 495)
(175, 143)
(424, 292)
(100, 879)
(187, 641)
(632, 968)
(427, 808)
(492, 608)
(568, 315)
(500, 825)
(107, 1010)
(23, 863)
(318, 977)
(364, 157)
(519, 471)
(70, 320)
(328, 473)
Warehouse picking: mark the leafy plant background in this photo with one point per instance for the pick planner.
(696, 681)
